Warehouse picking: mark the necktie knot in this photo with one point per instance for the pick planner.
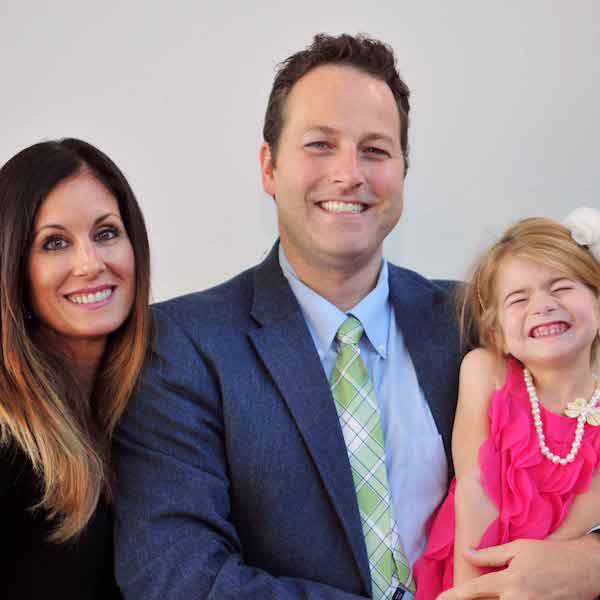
(350, 331)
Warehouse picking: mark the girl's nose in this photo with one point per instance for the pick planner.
(544, 303)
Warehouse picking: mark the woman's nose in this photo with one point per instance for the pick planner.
(88, 262)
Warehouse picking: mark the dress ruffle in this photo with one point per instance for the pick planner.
(532, 494)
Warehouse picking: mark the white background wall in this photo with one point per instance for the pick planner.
(505, 94)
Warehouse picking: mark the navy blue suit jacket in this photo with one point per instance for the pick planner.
(233, 475)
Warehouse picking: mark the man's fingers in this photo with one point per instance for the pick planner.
(486, 586)
(494, 556)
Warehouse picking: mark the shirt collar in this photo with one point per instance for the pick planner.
(324, 318)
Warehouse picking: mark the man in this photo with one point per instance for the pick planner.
(289, 439)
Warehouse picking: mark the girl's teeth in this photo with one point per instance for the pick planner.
(90, 298)
(551, 330)
(342, 207)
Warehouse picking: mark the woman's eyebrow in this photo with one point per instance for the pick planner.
(62, 228)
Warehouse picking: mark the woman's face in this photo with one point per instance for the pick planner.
(81, 264)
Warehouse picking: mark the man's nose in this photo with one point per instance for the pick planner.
(88, 261)
(347, 169)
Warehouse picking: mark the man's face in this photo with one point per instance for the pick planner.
(338, 177)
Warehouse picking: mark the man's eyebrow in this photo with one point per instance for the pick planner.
(378, 136)
(327, 130)
(322, 129)
(62, 228)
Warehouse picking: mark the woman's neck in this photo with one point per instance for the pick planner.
(84, 355)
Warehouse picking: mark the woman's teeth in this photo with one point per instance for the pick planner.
(90, 298)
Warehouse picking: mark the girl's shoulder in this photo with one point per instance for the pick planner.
(484, 367)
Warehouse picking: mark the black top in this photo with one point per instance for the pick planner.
(31, 567)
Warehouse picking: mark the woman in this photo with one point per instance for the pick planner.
(74, 322)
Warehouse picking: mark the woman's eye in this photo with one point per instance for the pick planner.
(55, 243)
(563, 288)
(106, 234)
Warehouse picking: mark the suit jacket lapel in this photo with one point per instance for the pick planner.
(286, 348)
(424, 315)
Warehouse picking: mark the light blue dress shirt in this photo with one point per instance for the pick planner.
(415, 459)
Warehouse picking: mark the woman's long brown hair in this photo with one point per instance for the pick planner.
(43, 411)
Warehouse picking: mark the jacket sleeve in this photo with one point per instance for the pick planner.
(173, 533)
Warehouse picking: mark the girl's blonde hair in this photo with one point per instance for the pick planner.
(43, 412)
(539, 239)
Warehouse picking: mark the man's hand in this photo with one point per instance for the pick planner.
(535, 570)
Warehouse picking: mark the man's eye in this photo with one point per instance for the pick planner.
(375, 152)
(55, 243)
(319, 145)
(106, 234)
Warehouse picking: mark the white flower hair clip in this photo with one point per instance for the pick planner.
(584, 224)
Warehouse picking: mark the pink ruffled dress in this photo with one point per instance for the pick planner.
(533, 495)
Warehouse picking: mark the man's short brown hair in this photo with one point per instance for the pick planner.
(363, 53)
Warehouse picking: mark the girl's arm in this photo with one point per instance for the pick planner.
(480, 372)
(583, 515)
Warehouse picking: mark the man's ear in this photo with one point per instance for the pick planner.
(267, 168)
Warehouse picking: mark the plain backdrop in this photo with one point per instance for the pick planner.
(505, 97)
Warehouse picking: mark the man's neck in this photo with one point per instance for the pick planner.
(342, 285)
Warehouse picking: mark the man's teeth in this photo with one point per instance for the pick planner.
(90, 298)
(343, 207)
(546, 330)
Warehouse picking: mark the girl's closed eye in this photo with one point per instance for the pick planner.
(515, 300)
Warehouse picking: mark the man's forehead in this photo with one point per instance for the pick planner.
(327, 75)
(331, 89)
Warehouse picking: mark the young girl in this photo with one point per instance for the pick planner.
(526, 440)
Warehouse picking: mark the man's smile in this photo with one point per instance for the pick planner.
(334, 206)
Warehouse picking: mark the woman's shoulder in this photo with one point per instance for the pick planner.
(80, 568)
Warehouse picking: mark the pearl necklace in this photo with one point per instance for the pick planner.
(537, 421)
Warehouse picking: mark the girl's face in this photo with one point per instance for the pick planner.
(546, 317)
(81, 264)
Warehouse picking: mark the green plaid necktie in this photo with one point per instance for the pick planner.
(357, 409)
